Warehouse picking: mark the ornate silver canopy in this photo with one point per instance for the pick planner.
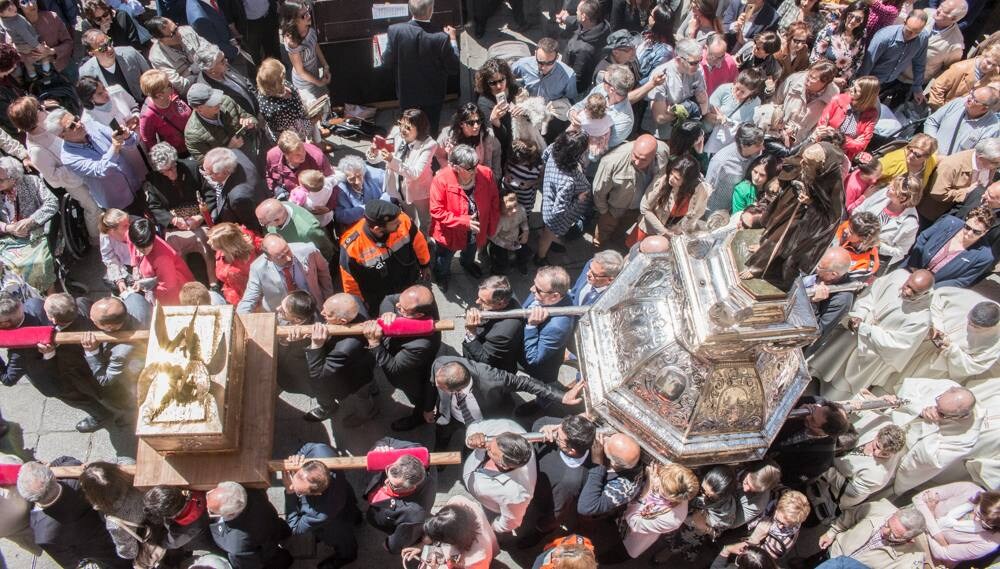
(698, 365)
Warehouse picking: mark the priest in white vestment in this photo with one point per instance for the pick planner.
(983, 461)
(870, 466)
(884, 329)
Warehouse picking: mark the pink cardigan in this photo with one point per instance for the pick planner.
(834, 115)
(962, 545)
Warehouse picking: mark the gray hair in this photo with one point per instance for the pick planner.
(219, 160)
(912, 520)
(985, 314)
(232, 499)
(410, 470)
(611, 261)
(53, 122)
(162, 155)
(918, 14)
(992, 96)
(207, 55)
(961, 8)
(11, 168)
(989, 149)
(35, 482)
(499, 287)
(463, 156)
(351, 164)
(421, 9)
(714, 39)
(687, 48)
(620, 78)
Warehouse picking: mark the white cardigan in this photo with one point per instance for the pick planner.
(899, 233)
(415, 171)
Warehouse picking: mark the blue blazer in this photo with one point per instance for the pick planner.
(211, 25)
(545, 345)
(961, 271)
(306, 514)
(581, 281)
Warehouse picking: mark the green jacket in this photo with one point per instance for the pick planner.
(201, 136)
(302, 227)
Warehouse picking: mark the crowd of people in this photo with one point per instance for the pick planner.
(862, 137)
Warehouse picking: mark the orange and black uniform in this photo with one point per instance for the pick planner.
(864, 264)
(371, 269)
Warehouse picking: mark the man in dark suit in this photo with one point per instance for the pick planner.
(64, 524)
(987, 197)
(207, 18)
(470, 391)
(400, 497)
(500, 342)
(407, 362)
(339, 365)
(247, 527)
(421, 56)
(217, 72)
(116, 367)
(804, 448)
(321, 502)
(238, 187)
(596, 277)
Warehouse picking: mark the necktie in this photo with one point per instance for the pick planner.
(403, 153)
(289, 278)
(590, 297)
(215, 5)
(463, 408)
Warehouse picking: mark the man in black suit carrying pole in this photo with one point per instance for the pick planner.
(421, 56)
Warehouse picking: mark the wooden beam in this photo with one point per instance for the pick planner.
(337, 463)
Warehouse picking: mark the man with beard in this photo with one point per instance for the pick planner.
(800, 223)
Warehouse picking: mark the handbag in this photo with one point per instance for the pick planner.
(150, 554)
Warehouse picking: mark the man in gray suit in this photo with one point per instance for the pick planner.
(285, 267)
(117, 366)
(113, 65)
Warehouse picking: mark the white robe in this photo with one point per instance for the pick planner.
(930, 447)
(856, 477)
(970, 352)
(983, 461)
(890, 331)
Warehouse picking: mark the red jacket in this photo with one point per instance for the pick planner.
(165, 264)
(450, 208)
(834, 114)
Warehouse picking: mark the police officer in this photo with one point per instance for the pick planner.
(382, 254)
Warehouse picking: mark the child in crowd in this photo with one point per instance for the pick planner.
(760, 171)
(511, 236)
(596, 123)
(524, 170)
(860, 183)
(25, 39)
(315, 193)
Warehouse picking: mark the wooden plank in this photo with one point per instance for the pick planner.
(248, 465)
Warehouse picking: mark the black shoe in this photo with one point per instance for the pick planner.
(89, 425)
(319, 414)
(473, 270)
(444, 283)
(407, 423)
(557, 247)
(4, 428)
(541, 261)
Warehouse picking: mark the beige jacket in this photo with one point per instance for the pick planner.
(957, 81)
(797, 114)
(953, 179)
(854, 528)
(653, 221)
(616, 185)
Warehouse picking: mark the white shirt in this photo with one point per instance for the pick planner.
(470, 403)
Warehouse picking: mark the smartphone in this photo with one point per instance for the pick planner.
(501, 98)
(381, 143)
(115, 126)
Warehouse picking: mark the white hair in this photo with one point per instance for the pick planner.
(35, 481)
(351, 164)
(687, 48)
(232, 499)
(610, 260)
(464, 156)
(207, 55)
(220, 160)
(913, 521)
(162, 155)
(53, 122)
(960, 9)
(989, 149)
(11, 168)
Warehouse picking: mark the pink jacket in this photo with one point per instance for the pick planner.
(962, 544)
(279, 173)
(165, 264)
(834, 115)
(164, 125)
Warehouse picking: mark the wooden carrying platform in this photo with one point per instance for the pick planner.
(248, 465)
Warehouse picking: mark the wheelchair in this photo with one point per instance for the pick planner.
(68, 240)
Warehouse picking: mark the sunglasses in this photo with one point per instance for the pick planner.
(693, 62)
(973, 230)
(548, 63)
(473, 122)
(106, 46)
(496, 82)
(799, 41)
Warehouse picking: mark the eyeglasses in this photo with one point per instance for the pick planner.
(472, 122)
(916, 154)
(693, 62)
(102, 17)
(972, 99)
(106, 46)
(592, 274)
(75, 124)
(973, 230)
(495, 82)
(800, 41)
(548, 63)
(609, 88)
(536, 290)
(937, 403)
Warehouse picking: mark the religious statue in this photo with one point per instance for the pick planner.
(800, 222)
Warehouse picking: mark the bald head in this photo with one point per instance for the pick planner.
(109, 314)
(917, 285)
(271, 213)
(835, 263)
(654, 244)
(340, 308)
(416, 302)
(955, 403)
(991, 197)
(643, 151)
(622, 451)
(277, 249)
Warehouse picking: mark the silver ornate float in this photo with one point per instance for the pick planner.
(698, 365)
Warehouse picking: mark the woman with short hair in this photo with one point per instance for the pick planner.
(280, 104)
(152, 257)
(917, 159)
(894, 205)
(290, 157)
(26, 205)
(731, 105)
(963, 522)
(408, 172)
(660, 509)
(853, 114)
(235, 248)
(953, 249)
(468, 127)
(103, 104)
(498, 92)
(164, 114)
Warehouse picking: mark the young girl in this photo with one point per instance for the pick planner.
(524, 169)
(860, 183)
(594, 121)
(761, 170)
(25, 39)
(511, 236)
(315, 193)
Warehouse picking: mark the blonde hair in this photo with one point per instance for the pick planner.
(312, 180)
(110, 220)
(230, 240)
(289, 140)
(194, 293)
(924, 142)
(794, 505)
(868, 88)
(153, 82)
(676, 483)
(271, 78)
(596, 106)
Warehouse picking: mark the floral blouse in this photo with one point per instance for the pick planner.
(842, 51)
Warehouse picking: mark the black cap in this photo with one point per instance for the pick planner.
(380, 212)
